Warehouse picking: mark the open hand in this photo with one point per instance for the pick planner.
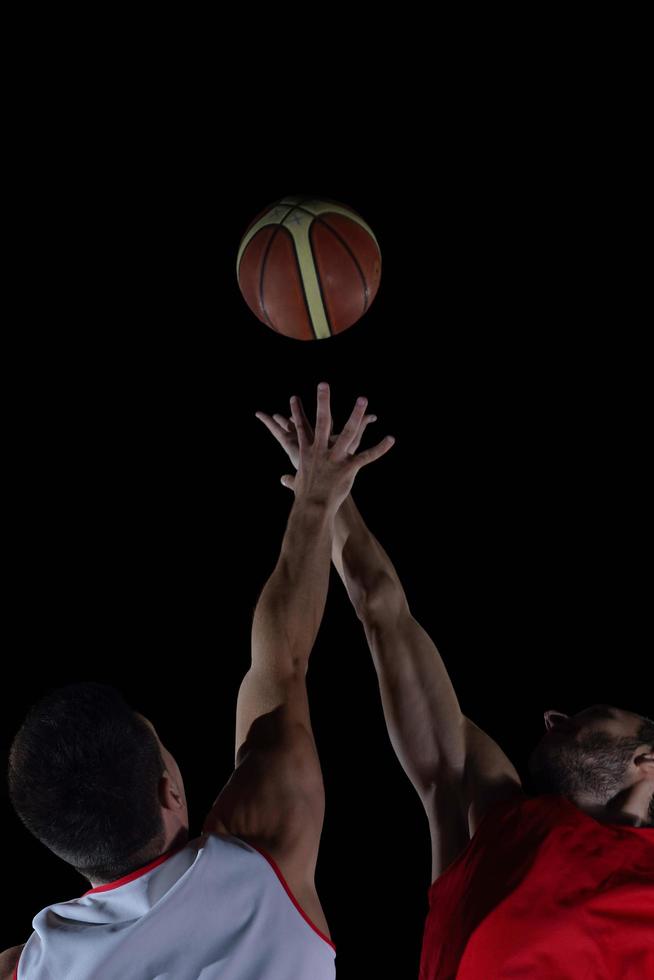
(284, 431)
(327, 464)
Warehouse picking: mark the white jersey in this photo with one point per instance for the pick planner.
(218, 909)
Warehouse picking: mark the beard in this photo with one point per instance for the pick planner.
(594, 764)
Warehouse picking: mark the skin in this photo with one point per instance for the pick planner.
(275, 798)
(602, 759)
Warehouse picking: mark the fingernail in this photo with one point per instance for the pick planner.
(362, 401)
(323, 386)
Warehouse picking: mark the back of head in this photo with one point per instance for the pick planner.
(84, 772)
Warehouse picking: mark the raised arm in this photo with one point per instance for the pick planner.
(456, 768)
(452, 763)
(275, 797)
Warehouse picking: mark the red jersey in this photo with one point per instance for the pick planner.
(544, 892)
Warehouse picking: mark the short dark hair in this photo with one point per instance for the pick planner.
(84, 771)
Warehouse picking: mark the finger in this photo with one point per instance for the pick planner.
(283, 421)
(370, 455)
(323, 415)
(302, 436)
(365, 422)
(351, 427)
(279, 433)
(303, 415)
(288, 481)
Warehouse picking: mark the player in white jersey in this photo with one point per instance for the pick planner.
(91, 779)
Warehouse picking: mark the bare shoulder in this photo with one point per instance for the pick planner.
(489, 776)
(9, 960)
(277, 779)
(275, 801)
(458, 803)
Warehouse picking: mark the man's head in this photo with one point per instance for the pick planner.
(90, 778)
(595, 755)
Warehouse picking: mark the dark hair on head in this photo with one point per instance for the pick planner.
(84, 771)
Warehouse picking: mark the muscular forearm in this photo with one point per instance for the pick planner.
(422, 711)
(291, 605)
(366, 570)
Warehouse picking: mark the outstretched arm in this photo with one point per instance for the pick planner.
(425, 722)
(456, 768)
(275, 797)
(441, 750)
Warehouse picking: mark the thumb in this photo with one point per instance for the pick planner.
(288, 481)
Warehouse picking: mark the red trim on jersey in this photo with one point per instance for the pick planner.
(135, 874)
(16, 968)
(290, 894)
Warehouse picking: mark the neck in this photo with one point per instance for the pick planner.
(171, 844)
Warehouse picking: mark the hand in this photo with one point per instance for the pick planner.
(285, 433)
(327, 465)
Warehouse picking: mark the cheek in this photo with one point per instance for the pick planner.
(178, 777)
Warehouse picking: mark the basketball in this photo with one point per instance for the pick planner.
(308, 268)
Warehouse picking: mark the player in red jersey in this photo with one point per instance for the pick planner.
(557, 886)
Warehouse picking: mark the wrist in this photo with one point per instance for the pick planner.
(315, 509)
(347, 508)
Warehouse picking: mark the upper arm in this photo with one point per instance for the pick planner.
(267, 688)
(458, 801)
(9, 961)
(456, 768)
(488, 777)
(275, 796)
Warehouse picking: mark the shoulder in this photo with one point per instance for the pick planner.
(275, 801)
(9, 961)
(276, 781)
(489, 776)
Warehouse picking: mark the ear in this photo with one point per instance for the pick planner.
(170, 795)
(645, 764)
(552, 718)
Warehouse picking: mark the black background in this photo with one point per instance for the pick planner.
(504, 351)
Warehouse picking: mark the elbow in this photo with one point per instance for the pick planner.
(382, 599)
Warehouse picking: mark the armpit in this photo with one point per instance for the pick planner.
(9, 961)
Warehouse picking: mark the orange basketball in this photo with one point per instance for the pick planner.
(308, 268)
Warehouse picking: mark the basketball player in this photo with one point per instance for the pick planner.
(552, 886)
(92, 780)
